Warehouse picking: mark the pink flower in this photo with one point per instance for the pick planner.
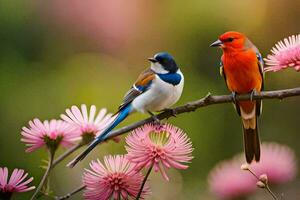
(116, 179)
(16, 183)
(50, 133)
(278, 162)
(161, 146)
(285, 54)
(227, 181)
(89, 123)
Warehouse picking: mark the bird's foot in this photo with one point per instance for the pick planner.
(253, 94)
(171, 111)
(233, 96)
(156, 121)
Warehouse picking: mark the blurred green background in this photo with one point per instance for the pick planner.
(58, 53)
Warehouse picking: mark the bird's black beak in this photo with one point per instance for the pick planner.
(153, 60)
(217, 43)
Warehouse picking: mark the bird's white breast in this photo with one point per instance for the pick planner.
(161, 95)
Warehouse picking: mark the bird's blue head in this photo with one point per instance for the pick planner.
(165, 61)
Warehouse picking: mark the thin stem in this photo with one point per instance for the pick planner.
(144, 182)
(253, 174)
(266, 183)
(66, 154)
(271, 193)
(46, 174)
(71, 193)
(52, 163)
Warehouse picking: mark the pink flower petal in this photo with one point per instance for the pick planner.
(116, 177)
(36, 134)
(167, 146)
(16, 182)
(285, 54)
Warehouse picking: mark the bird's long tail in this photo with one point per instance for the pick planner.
(251, 136)
(121, 115)
(252, 144)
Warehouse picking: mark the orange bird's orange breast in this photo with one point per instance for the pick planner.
(242, 71)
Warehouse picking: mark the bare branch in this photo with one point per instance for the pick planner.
(206, 101)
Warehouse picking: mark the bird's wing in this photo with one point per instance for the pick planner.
(141, 85)
(222, 73)
(260, 64)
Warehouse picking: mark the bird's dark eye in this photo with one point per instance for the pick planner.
(230, 39)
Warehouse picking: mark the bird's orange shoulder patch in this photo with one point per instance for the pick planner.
(145, 77)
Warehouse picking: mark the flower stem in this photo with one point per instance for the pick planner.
(71, 193)
(66, 154)
(46, 174)
(144, 182)
(253, 174)
(266, 183)
(271, 193)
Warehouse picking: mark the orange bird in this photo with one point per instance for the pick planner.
(242, 68)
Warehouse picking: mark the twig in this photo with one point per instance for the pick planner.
(206, 101)
(52, 163)
(262, 180)
(270, 192)
(46, 174)
(144, 182)
(66, 154)
(71, 193)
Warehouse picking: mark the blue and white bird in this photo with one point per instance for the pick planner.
(157, 88)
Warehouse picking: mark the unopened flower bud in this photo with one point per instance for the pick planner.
(245, 166)
(260, 184)
(264, 178)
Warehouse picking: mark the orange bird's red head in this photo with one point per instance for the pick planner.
(231, 41)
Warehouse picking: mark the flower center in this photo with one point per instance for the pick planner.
(116, 181)
(157, 153)
(159, 138)
(87, 137)
(53, 142)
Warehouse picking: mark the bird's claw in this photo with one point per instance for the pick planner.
(233, 96)
(155, 119)
(253, 94)
(171, 111)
